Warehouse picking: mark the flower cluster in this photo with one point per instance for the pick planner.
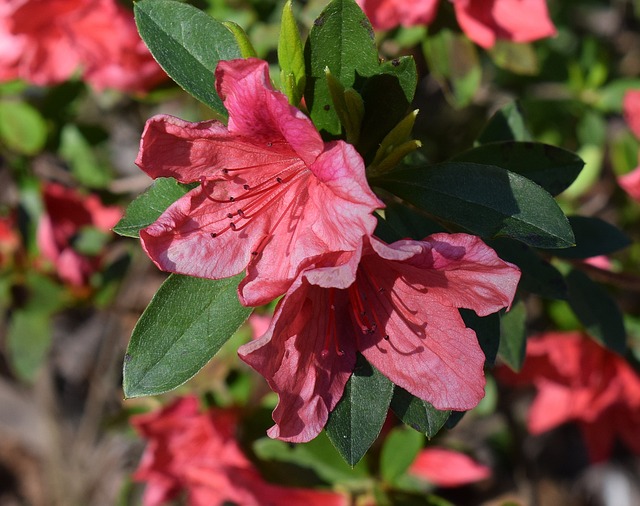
(66, 215)
(631, 106)
(297, 214)
(579, 380)
(45, 42)
(197, 452)
(484, 21)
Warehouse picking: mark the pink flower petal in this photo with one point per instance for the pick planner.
(631, 183)
(388, 14)
(631, 110)
(447, 468)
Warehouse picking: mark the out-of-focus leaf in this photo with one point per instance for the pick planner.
(188, 44)
(593, 237)
(597, 311)
(28, 340)
(513, 336)
(548, 166)
(148, 207)
(453, 61)
(506, 125)
(418, 414)
(356, 421)
(485, 200)
(400, 449)
(517, 58)
(22, 128)
(538, 275)
(592, 156)
(90, 241)
(85, 165)
(185, 324)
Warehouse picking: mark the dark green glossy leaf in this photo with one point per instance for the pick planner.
(400, 449)
(188, 44)
(485, 200)
(593, 237)
(487, 331)
(513, 338)
(506, 125)
(342, 40)
(403, 222)
(552, 168)
(417, 413)
(537, 275)
(186, 323)
(358, 418)
(148, 207)
(597, 311)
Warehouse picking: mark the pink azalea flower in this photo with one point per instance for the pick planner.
(66, 213)
(259, 324)
(197, 452)
(630, 183)
(273, 196)
(578, 380)
(447, 468)
(401, 313)
(45, 42)
(484, 21)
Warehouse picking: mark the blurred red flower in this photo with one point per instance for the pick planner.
(66, 214)
(631, 108)
(9, 239)
(580, 381)
(484, 21)
(197, 452)
(447, 468)
(46, 41)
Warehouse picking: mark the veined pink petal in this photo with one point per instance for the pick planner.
(293, 358)
(388, 14)
(447, 468)
(631, 110)
(484, 21)
(273, 198)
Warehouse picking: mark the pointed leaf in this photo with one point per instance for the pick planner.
(487, 331)
(418, 414)
(513, 338)
(552, 168)
(148, 207)
(291, 55)
(593, 237)
(358, 418)
(484, 200)
(597, 311)
(186, 323)
(341, 38)
(188, 44)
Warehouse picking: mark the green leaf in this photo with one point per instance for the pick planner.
(454, 63)
(485, 200)
(418, 414)
(517, 58)
(22, 128)
(246, 48)
(186, 323)
(506, 125)
(291, 55)
(550, 167)
(356, 421)
(148, 207)
(90, 241)
(341, 39)
(487, 329)
(188, 44)
(400, 449)
(593, 237)
(87, 167)
(513, 338)
(597, 311)
(28, 341)
(537, 275)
